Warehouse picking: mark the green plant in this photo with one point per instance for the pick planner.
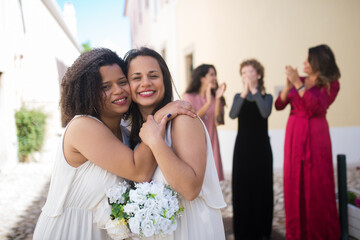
(351, 197)
(30, 125)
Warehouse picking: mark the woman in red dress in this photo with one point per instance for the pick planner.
(309, 191)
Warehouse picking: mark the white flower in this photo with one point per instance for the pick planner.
(137, 196)
(149, 209)
(134, 224)
(116, 229)
(165, 224)
(147, 228)
(115, 192)
(131, 208)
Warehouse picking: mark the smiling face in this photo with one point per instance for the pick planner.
(210, 78)
(146, 83)
(116, 89)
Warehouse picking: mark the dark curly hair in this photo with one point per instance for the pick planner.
(136, 117)
(259, 70)
(81, 91)
(196, 76)
(322, 60)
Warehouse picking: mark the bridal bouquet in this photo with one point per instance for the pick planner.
(145, 209)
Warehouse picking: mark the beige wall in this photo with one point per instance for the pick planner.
(277, 33)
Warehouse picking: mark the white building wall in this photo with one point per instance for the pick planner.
(154, 26)
(29, 60)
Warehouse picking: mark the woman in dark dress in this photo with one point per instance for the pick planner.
(252, 176)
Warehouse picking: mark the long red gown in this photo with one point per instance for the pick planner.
(309, 191)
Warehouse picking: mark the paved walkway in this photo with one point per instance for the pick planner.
(23, 191)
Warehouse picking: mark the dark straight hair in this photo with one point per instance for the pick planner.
(136, 117)
(198, 73)
(322, 61)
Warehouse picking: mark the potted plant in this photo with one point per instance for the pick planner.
(354, 213)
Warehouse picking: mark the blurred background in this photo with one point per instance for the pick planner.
(41, 38)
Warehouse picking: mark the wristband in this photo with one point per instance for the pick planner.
(300, 88)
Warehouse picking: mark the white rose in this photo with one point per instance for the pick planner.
(137, 196)
(134, 224)
(165, 225)
(131, 208)
(147, 228)
(115, 192)
(172, 226)
(116, 230)
(150, 203)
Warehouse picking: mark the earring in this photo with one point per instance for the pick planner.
(259, 77)
(95, 111)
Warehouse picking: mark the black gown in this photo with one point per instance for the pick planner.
(252, 176)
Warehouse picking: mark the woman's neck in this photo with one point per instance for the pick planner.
(145, 112)
(202, 91)
(311, 80)
(113, 124)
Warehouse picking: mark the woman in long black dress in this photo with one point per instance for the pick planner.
(252, 176)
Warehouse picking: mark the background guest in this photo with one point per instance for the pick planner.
(206, 96)
(309, 191)
(252, 175)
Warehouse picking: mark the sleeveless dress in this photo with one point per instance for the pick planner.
(252, 175)
(74, 197)
(201, 219)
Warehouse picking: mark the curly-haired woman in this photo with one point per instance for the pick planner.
(93, 152)
(252, 175)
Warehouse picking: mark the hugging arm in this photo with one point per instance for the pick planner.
(88, 139)
(184, 166)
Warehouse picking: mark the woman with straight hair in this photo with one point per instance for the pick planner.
(206, 96)
(309, 191)
(182, 149)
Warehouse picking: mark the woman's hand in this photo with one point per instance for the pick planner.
(246, 87)
(152, 132)
(220, 91)
(174, 109)
(292, 75)
(253, 83)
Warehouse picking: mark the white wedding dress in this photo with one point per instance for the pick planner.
(201, 219)
(74, 197)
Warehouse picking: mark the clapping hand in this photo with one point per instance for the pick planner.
(292, 74)
(246, 87)
(220, 91)
(253, 83)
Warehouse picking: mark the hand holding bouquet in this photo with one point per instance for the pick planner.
(145, 209)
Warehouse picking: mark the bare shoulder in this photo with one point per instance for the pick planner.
(187, 124)
(84, 123)
(84, 127)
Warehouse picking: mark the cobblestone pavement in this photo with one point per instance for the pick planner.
(23, 191)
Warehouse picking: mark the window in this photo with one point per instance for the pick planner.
(163, 53)
(189, 67)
